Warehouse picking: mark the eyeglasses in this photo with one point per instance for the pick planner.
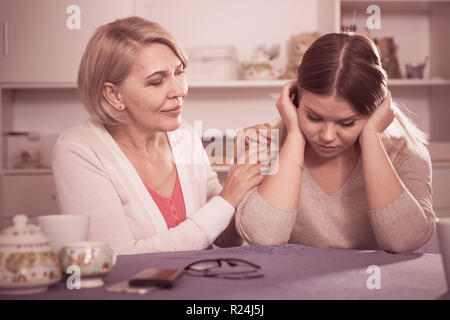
(229, 268)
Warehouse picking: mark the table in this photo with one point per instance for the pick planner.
(291, 272)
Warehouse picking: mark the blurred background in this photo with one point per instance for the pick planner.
(240, 53)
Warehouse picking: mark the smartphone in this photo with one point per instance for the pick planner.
(124, 287)
(156, 277)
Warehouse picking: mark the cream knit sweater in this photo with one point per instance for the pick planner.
(94, 178)
(342, 220)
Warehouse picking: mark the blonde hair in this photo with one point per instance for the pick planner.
(109, 56)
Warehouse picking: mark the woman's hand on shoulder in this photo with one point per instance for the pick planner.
(253, 144)
(241, 178)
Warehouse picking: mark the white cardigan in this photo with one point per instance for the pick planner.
(94, 177)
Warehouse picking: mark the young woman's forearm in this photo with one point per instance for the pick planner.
(282, 188)
(383, 184)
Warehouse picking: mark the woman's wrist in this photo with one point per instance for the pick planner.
(368, 135)
(227, 197)
(295, 138)
(294, 146)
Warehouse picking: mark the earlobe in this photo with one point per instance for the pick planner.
(113, 96)
(119, 98)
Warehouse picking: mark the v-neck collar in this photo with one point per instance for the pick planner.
(157, 194)
(350, 178)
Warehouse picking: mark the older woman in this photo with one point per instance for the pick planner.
(135, 168)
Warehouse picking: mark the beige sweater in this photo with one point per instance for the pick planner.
(342, 220)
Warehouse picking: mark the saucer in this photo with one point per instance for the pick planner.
(26, 288)
(91, 283)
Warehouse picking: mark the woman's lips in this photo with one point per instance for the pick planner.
(326, 148)
(174, 112)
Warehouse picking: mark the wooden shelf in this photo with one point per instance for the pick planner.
(227, 84)
(418, 82)
(439, 152)
(393, 6)
(239, 84)
(280, 83)
(22, 172)
(38, 85)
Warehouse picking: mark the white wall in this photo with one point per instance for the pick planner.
(246, 24)
(243, 23)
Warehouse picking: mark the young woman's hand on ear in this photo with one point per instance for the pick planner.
(288, 110)
(381, 118)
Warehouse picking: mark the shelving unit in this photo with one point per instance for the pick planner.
(44, 105)
(420, 29)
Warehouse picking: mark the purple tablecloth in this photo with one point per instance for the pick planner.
(290, 272)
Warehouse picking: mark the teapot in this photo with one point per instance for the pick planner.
(27, 263)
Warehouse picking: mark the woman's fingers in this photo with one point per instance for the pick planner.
(288, 89)
(286, 93)
(252, 142)
(286, 107)
(247, 171)
(259, 153)
(254, 181)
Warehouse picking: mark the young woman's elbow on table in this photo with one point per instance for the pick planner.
(262, 238)
(409, 244)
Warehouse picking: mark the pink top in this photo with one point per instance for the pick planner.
(172, 208)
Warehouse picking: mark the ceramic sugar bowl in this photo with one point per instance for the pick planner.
(92, 260)
(27, 262)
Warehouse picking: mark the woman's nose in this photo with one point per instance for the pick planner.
(178, 87)
(328, 132)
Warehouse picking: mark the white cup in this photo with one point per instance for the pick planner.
(64, 228)
(443, 231)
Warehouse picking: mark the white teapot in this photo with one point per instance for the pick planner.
(27, 262)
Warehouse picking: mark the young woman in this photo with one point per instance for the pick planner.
(135, 168)
(353, 170)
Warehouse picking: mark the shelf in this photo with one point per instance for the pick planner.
(239, 84)
(22, 172)
(418, 82)
(397, 6)
(228, 84)
(439, 152)
(38, 85)
(220, 168)
(194, 84)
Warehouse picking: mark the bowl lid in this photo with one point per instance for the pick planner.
(22, 233)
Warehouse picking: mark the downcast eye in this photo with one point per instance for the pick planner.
(348, 124)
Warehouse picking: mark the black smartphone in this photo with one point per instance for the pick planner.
(156, 277)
